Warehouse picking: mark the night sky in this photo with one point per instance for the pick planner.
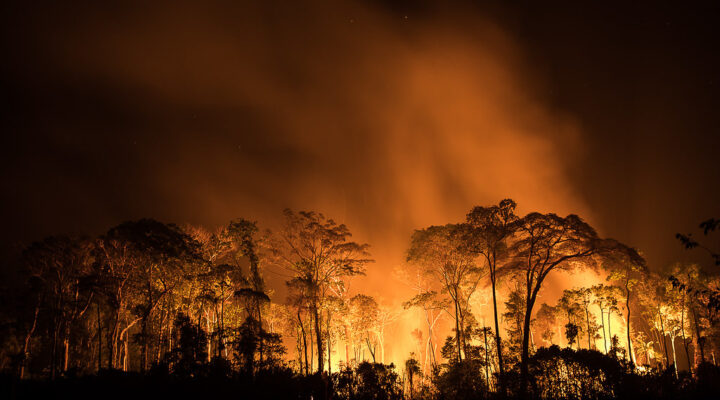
(388, 116)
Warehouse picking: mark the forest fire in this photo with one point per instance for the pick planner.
(481, 201)
(149, 296)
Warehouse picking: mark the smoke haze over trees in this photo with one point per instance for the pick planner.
(451, 174)
(192, 304)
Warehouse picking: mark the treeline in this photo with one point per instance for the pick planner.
(120, 301)
(658, 313)
(184, 303)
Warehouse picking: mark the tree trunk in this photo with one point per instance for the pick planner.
(329, 344)
(627, 307)
(587, 316)
(99, 335)
(457, 329)
(370, 348)
(222, 325)
(425, 354)
(53, 359)
(662, 331)
(463, 340)
(682, 333)
(170, 338)
(431, 347)
(658, 340)
(113, 340)
(675, 366)
(347, 352)
(532, 340)
(524, 373)
(687, 355)
(66, 348)
(381, 340)
(144, 349)
(487, 371)
(602, 322)
(410, 383)
(318, 337)
(26, 345)
(498, 341)
(700, 343)
(261, 342)
(209, 330)
(299, 349)
(126, 346)
(304, 341)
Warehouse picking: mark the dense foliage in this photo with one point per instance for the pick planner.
(153, 309)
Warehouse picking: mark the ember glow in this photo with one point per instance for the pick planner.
(377, 127)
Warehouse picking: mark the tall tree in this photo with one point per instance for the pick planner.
(432, 307)
(627, 273)
(547, 243)
(115, 268)
(654, 297)
(587, 298)
(606, 299)
(302, 295)
(247, 245)
(702, 302)
(318, 251)
(490, 228)
(365, 313)
(62, 264)
(162, 252)
(443, 253)
(514, 316)
(431, 302)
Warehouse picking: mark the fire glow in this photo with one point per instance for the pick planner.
(397, 146)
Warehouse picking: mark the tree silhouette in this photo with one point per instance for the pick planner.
(703, 299)
(368, 381)
(61, 265)
(655, 298)
(442, 252)
(161, 252)
(412, 369)
(187, 357)
(606, 298)
(546, 243)
(708, 226)
(514, 317)
(318, 251)
(490, 228)
(572, 331)
(627, 272)
(570, 305)
(256, 348)
(204, 319)
(432, 306)
(364, 315)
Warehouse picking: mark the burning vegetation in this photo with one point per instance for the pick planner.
(393, 118)
(192, 304)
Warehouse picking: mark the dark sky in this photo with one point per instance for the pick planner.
(386, 115)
